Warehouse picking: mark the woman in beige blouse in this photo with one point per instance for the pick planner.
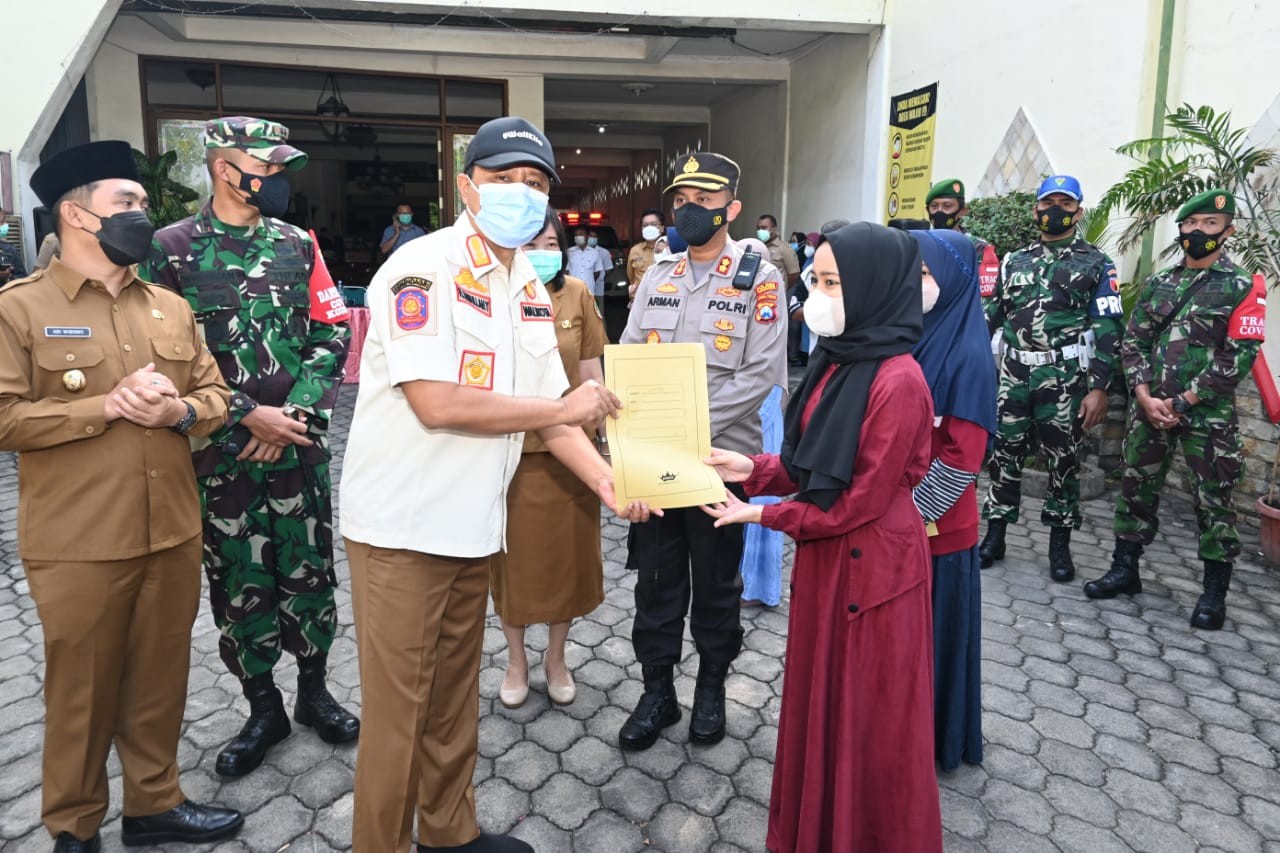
(551, 571)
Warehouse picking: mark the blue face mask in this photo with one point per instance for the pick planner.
(546, 262)
(794, 245)
(405, 218)
(592, 242)
(510, 214)
(4, 230)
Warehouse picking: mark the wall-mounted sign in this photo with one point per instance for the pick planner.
(910, 156)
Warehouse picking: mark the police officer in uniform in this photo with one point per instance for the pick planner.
(1057, 309)
(730, 301)
(268, 536)
(102, 378)
(460, 361)
(1193, 336)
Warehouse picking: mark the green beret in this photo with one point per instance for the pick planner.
(1212, 201)
(950, 188)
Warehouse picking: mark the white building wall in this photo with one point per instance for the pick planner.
(748, 128)
(1079, 78)
(828, 159)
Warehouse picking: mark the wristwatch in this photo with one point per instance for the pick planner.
(1180, 405)
(186, 422)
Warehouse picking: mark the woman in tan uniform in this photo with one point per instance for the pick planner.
(551, 571)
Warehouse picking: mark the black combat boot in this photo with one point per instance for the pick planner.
(317, 708)
(656, 710)
(706, 724)
(1061, 568)
(267, 725)
(68, 843)
(1123, 576)
(992, 547)
(1211, 609)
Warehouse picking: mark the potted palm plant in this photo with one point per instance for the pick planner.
(170, 200)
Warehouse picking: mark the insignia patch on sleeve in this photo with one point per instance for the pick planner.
(476, 369)
(411, 311)
(423, 284)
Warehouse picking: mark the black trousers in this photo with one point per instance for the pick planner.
(680, 557)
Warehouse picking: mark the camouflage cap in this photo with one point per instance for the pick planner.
(257, 137)
(950, 188)
(1210, 201)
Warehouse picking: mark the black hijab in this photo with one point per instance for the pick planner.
(880, 283)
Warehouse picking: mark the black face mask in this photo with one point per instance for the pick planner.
(942, 220)
(1055, 221)
(1199, 245)
(268, 193)
(125, 238)
(697, 224)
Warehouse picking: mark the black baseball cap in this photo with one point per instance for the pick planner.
(511, 141)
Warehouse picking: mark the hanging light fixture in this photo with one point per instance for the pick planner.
(332, 106)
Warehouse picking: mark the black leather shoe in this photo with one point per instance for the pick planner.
(317, 708)
(486, 843)
(187, 823)
(1211, 609)
(1122, 579)
(267, 725)
(656, 710)
(992, 547)
(706, 724)
(68, 843)
(1061, 567)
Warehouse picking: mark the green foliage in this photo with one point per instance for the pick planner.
(1202, 151)
(1005, 221)
(169, 199)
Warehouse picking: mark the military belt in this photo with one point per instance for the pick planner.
(1039, 358)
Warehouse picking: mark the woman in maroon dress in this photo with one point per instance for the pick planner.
(854, 769)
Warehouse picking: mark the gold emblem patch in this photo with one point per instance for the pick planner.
(1220, 201)
(653, 337)
(691, 165)
(74, 380)
(723, 342)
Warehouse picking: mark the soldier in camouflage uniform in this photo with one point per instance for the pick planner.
(1057, 309)
(264, 477)
(1192, 337)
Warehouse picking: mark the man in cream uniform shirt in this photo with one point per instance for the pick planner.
(460, 360)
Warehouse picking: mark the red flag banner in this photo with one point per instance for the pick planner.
(988, 272)
(326, 300)
(1248, 323)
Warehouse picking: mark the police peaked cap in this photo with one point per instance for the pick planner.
(83, 165)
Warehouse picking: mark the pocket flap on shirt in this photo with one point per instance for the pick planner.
(67, 356)
(659, 318)
(174, 349)
(714, 324)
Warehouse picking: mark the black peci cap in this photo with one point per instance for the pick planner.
(84, 164)
(511, 141)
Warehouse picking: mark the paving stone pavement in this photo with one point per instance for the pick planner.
(1109, 726)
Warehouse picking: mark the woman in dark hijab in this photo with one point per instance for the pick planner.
(854, 768)
(955, 355)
